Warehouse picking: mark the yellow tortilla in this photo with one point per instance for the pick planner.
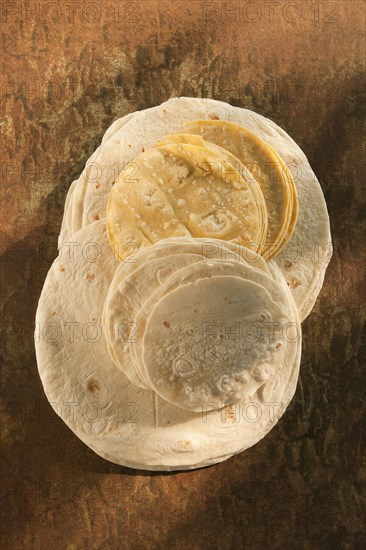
(294, 209)
(261, 160)
(240, 169)
(181, 190)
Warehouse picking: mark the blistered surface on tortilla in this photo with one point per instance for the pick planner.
(182, 190)
(217, 338)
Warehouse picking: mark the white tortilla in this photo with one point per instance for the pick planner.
(135, 280)
(186, 275)
(128, 297)
(305, 258)
(118, 420)
(209, 341)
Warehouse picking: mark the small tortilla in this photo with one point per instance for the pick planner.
(127, 298)
(134, 283)
(209, 341)
(182, 189)
(240, 170)
(190, 274)
(268, 169)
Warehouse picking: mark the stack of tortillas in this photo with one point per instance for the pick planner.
(192, 246)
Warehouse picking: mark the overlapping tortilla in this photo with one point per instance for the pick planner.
(136, 280)
(227, 157)
(121, 347)
(268, 169)
(209, 341)
(182, 190)
(303, 260)
(117, 419)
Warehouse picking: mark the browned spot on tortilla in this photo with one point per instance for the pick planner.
(166, 324)
(93, 385)
(96, 216)
(97, 185)
(212, 116)
(184, 444)
(129, 145)
(288, 265)
(293, 282)
(230, 413)
(61, 268)
(278, 345)
(142, 149)
(90, 277)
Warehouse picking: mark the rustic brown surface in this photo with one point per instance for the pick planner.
(70, 71)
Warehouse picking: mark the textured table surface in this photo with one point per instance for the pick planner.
(71, 68)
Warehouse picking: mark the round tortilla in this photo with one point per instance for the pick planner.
(189, 274)
(118, 420)
(182, 190)
(303, 260)
(136, 280)
(254, 153)
(209, 341)
(240, 172)
(127, 295)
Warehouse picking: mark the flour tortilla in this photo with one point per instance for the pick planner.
(119, 421)
(209, 341)
(186, 275)
(136, 279)
(125, 300)
(134, 283)
(200, 249)
(305, 258)
(207, 248)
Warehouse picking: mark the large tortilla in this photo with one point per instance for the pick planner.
(304, 259)
(118, 420)
(126, 400)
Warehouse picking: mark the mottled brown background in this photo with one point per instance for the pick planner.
(71, 68)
